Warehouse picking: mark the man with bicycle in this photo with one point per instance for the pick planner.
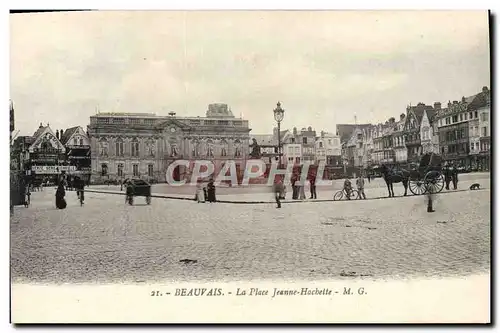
(348, 188)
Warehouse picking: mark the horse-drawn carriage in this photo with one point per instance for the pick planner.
(137, 188)
(428, 176)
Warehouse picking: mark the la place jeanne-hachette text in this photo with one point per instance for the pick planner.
(205, 169)
(267, 292)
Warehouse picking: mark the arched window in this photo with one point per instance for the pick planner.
(135, 147)
(104, 169)
(210, 148)
(173, 149)
(119, 147)
(223, 147)
(120, 170)
(237, 148)
(150, 147)
(195, 147)
(103, 147)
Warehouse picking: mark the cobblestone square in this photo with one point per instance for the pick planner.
(108, 241)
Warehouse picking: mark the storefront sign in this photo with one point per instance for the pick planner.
(79, 157)
(52, 169)
(80, 172)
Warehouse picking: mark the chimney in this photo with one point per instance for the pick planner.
(437, 106)
(322, 134)
(402, 116)
(309, 129)
(463, 99)
(449, 104)
(295, 131)
(61, 133)
(40, 125)
(57, 134)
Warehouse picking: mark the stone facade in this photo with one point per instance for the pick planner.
(328, 149)
(459, 127)
(126, 145)
(398, 139)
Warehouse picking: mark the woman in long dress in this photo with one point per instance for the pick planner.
(211, 191)
(60, 193)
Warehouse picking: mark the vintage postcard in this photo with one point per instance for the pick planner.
(250, 167)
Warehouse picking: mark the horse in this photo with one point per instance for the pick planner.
(392, 176)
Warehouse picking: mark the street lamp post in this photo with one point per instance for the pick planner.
(279, 113)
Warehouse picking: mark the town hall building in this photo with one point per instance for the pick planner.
(131, 145)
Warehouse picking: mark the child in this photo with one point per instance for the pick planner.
(27, 196)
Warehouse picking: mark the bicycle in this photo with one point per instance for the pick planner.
(353, 195)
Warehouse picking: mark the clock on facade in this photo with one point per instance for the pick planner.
(172, 129)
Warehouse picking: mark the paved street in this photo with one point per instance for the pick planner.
(108, 241)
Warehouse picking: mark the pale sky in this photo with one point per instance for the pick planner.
(324, 66)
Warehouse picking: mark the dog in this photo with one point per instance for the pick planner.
(474, 186)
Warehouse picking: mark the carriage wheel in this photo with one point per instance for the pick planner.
(434, 181)
(354, 195)
(338, 196)
(148, 200)
(417, 187)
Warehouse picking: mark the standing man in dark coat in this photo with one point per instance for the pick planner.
(312, 183)
(454, 177)
(211, 191)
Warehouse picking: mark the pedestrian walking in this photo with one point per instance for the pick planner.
(312, 182)
(60, 194)
(79, 186)
(360, 184)
(278, 189)
(211, 191)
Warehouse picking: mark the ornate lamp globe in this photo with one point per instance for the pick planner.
(279, 113)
